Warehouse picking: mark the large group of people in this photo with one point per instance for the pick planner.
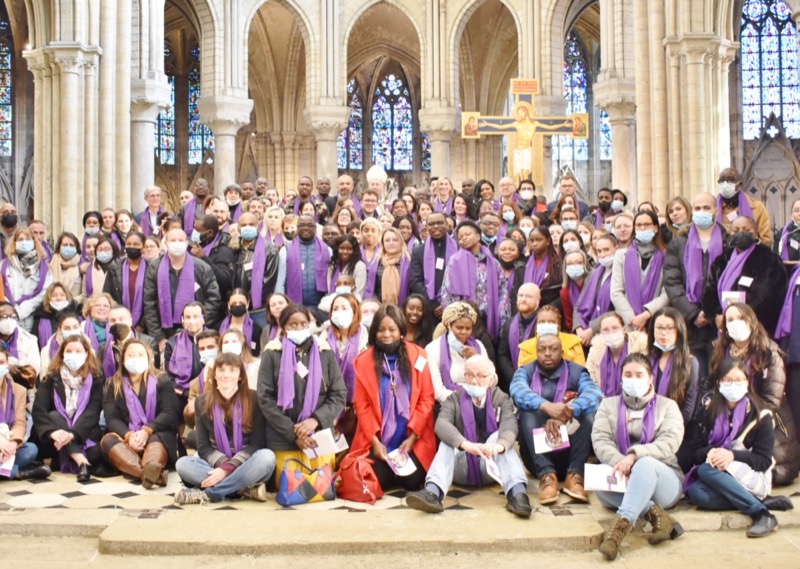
(478, 333)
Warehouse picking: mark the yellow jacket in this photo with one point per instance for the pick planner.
(573, 351)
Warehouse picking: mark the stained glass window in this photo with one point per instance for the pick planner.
(605, 136)
(392, 130)
(426, 153)
(165, 125)
(6, 86)
(575, 83)
(350, 144)
(770, 81)
(200, 137)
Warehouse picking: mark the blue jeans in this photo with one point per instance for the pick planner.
(258, 468)
(25, 455)
(718, 490)
(580, 444)
(651, 481)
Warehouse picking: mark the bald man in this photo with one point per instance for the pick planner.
(733, 202)
(344, 189)
(516, 331)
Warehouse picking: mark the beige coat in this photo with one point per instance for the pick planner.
(637, 342)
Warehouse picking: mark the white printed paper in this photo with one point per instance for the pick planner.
(493, 470)
(400, 463)
(419, 365)
(542, 446)
(746, 281)
(600, 477)
(5, 468)
(327, 443)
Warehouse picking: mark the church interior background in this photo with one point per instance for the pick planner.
(99, 98)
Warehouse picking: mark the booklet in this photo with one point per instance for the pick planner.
(327, 443)
(600, 477)
(542, 445)
(731, 296)
(400, 463)
(493, 470)
(5, 468)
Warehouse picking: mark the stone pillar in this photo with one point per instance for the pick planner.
(37, 63)
(439, 123)
(696, 53)
(642, 191)
(326, 123)
(289, 179)
(659, 104)
(727, 52)
(148, 99)
(91, 121)
(106, 127)
(617, 97)
(224, 115)
(122, 102)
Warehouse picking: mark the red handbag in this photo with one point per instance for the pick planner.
(355, 480)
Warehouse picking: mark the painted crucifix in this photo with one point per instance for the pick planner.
(526, 130)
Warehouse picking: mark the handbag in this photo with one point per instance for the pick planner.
(356, 480)
(304, 485)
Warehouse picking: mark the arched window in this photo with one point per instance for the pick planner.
(392, 126)
(200, 137)
(770, 82)
(165, 125)
(350, 145)
(576, 80)
(426, 153)
(6, 86)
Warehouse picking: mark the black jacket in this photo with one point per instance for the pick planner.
(243, 268)
(221, 260)
(416, 273)
(113, 284)
(505, 366)
(207, 447)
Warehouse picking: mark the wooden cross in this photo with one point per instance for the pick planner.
(526, 131)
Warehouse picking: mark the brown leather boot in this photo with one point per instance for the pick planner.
(548, 488)
(154, 459)
(124, 458)
(664, 526)
(573, 487)
(614, 537)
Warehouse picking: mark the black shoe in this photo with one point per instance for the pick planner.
(519, 505)
(104, 470)
(763, 525)
(83, 473)
(424, 501)
(778, 503)
(34, 471)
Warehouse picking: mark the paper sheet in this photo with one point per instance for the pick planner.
(400, 463)
(599, 477)
(326, 444)
(542, 446)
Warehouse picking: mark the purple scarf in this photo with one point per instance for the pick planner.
(443, 207)
(561, 388)
(39, 285)
(429, 264)
(611, 373)
(54, 345)
(372, 270)
(334, 276)
(221, 435)
(237, 212)
(188, 215)
(109, 363)
(693, 261)
(135, 304)
(471, 431)
(67, 466)
(592, 305)
(247, 328)
(180, 364)
(144, 220)
(139, 417)
(44, 330)
(743, 209)
(294, 269)
(345, 359)
(648, 425)
(170, 311)
(201, 381)
(731, 274)
(784, 327)
(396, 402)
(599, 218)
(514, 340)
(666, 376)
(259, 262)
(640, 293)
(286, 378)
(88, 330)
(11, 345)
(464, 276)
(278, 241)
(574, 294)
(8, 414)
(311, 199)
(445, 362)
(534, 273)
(211, 244)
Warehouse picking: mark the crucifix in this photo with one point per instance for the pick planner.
(526, 130)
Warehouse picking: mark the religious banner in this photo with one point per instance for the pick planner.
(525, 130)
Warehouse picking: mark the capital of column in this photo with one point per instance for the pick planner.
(224, 114)
(726, 53)
(70, 57)
(697, 48)
(148, 98)
(38, 62)
(326, 122)
(288, 138)
(617, 97)
(438, 122)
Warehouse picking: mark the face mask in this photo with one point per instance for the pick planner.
(727, 189)
(389, 348)
(8, 326)
(617, 205)
(343, 290)
(526, 195)
(488, 239)
(733, 392)
(738, 330)
(232, 203)
(635, 387)
(569, 225)
(208, 355)
(677, 225)
(104, 257)
(506, 264)
(662, 347)
(59, 305)
(3, 370)
(575, 271)
(74, 362)
(342, 319)
(742, 240)
(508, 216)
(196, 236)
(608, 227)
(607, 261)
(68, 252)
(133, 253)
(238, 310)
(454, 343)
(290, 234)
(702, 219)
(366, 319)
(177, 248)
(614, 340)
(526, 231)
(645, 237)
(228, 391)
(92, 231)
(547, 329)
(232, 348)
(298, 337)
(604, 207)
(570, 246)
(9, 220)
(475, 391)
(24, 247)
(136, 366)
(249, 232)
(120, 331)
(585, 238)
(70, 333)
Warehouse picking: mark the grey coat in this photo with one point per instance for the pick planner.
(450, 428)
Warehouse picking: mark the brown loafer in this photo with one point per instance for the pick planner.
(548, 488)
(573, 487)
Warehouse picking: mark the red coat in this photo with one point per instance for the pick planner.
(367, 403)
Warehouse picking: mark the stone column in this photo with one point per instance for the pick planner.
(149, 97)
(439, 123)
(727, 52)
(696, 53)
(106, 127)
(644, 124)
(91, 121)
(37, 63)
(122, 102)
(326, 123)
(288, 138)
(224, 115)
(622, 118)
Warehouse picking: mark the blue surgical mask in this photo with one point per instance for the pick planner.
(645, 237)
(454, 343)
(606, 261)
(136, 366)
(343, 290)
(249, 232)
(91, 231)
(24, 247)
(474, 391)
(702, 219)
(546, 329)
(195, 236)
(575, 271)
(662, 347)
(569, 225)
(74, 362)
(104, 257)
(733, 392)
(298, 337)
(68, 252)
(488, 239)
(208, 355)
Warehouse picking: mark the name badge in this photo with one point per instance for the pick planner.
(302, 266)
(196, 287)
(419, 365)
(637, 414)
(733, 215)
(248, 266)
(794, 244)
(439, 264)
(302, 370)
(746, 281)
(252, 346)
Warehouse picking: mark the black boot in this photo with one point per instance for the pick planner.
(34, 471)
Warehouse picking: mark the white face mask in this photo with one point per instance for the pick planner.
(727, 189)
(634, 387)
(475, 391)
(570, 246)
(526, 195)
(177, 248)
(546, 329)
(232, 348)
(8, 326)
(208, 355)
(342, 319)
(733, 392)
(738, 330)
(74, 362)
(617, 205)
(136, 366)
(607, 261)
(614, 340)
(58, 305)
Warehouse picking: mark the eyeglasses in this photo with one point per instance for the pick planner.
(731, 381)
(664, 329)
(490, 223)
(436, 223)
(476, 377)
(7, 317)
(643, 226)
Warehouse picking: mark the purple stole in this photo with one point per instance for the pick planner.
(221, 435)
(7, 413)
(467, 408)
(743, 209)
(294, 270)
(25, 297)
(666, 376)
(54, 345)
(784, 327)
(201, 381)
(247, 328)
(11, 345)
(593, 304)
(534, 273)
(445, 362)
(88, 330)
(334, 276)
(188, 215)
(109, 363)
(599, 218)
(207, 249)
(561, 388)
(44, 330)
(345, 358)
(144, 220)
(278, 241)
(463, 268)
(139, 417)
(611, 373)
(170, 311)
(237, 213)
(259, 261)
(136, 303)
(84, 258)
(180, 364)
(648, 425)
(356, 204)
(286, 378)
(372, 270)
(574, 293)
(514, 340)
(640, 293)
(732, 272)
(84, 392)
(396, 402)
(311, 199)
(443, 207)
(120, 243)
(693, 261)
